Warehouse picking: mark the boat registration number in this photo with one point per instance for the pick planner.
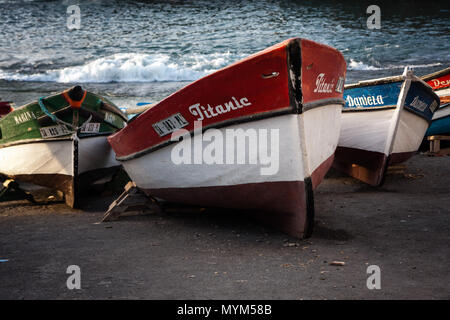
(109, 117)
(54, 131)
(91, 127)
(169, 125)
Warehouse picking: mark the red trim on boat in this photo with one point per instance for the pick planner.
(440, 82)
(400, 157)
(321, 171)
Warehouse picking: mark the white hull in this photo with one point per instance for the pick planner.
(410, 132)
(283, 199)
(54, 157)
(369, 131)
(366, 130)
(443, 92)
(57, 163)
(299, 136)
(441, 113)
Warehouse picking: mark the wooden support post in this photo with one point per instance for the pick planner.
(9, 185)
(131, 200)
(435, 144)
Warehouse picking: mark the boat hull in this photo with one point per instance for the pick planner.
(283, 199)
(67, 165)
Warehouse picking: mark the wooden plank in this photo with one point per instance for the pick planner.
(131, 200)
(439, 137)
(435, 146)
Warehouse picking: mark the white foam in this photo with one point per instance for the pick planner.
(132, 67)
(358, 65)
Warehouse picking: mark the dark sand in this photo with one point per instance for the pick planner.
(403, 227)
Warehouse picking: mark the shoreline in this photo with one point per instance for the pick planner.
(224, 254)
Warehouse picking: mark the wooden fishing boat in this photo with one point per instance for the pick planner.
(60, 141)
(5, 108)
(293, 90)
(383, 123)
(440, 82)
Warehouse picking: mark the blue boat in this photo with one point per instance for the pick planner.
(440, 124)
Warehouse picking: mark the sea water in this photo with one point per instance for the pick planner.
(142, 51)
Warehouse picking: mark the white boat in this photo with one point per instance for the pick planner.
(383, 122)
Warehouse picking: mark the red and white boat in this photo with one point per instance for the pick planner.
(284, 101)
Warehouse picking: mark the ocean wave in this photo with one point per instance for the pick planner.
(132, 67)
(358, 65)
(361, 66)
(416, 66)
(139, 67)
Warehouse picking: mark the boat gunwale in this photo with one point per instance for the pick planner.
(436, 74)
(111, 107)
(373, 82)
(261, 116)
(368, 109)
(56, 139)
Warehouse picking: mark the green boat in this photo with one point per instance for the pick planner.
(59, 141)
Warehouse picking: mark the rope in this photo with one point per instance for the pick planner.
(57, 120)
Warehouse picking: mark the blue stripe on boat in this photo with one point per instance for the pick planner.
(421, 100)
(439, 126)
(374, 96)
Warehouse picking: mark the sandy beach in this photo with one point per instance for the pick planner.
(403, 227)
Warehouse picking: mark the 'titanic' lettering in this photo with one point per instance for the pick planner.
(202, 112)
